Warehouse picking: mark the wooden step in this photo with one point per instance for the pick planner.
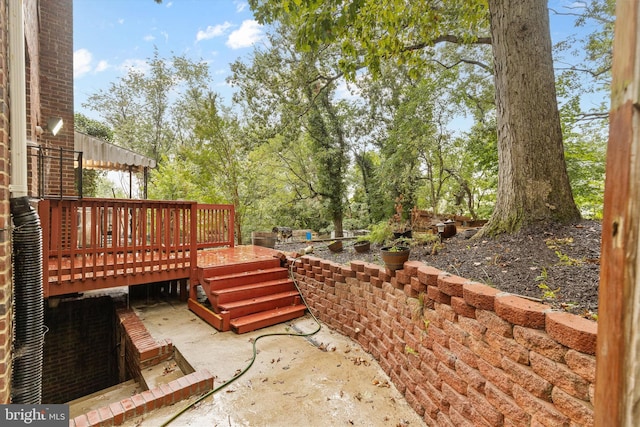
(266, 318)
(263, 303)
(238, 279)
(220, 321)
(251, 290)
(223, 270)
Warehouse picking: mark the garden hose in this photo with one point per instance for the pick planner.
(255, 353)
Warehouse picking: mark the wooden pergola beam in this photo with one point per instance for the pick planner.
(617, 394)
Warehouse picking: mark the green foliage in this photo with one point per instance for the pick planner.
(547, 292)
(567, 260)
(542, 277)
(425, 238)
(287, 159)
(586, 72)
(84, 124)
(555, 244)
(381, 232)
(92, 179)
(369, 32)
(147, 111)
(304, 111)
(366, 238)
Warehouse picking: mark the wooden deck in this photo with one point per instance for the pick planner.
(91, 244)
(137, 268)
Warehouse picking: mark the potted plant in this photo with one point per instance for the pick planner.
(362, 244)
(401, 227)
(394, 256)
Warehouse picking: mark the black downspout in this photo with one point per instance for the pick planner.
(27, 268)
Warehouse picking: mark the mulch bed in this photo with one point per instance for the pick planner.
(553, 263)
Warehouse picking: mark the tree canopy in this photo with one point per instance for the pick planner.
(370, 32)
(337, 118)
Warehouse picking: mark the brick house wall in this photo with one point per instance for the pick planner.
(58, 18)
(461, 352)
(54, 75)
(6, 313)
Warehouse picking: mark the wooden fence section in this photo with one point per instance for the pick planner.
(102, 243)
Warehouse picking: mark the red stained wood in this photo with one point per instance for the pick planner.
(617, 336)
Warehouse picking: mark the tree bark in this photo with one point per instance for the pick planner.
(533, 184)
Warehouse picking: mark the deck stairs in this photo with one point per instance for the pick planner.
(247, 296)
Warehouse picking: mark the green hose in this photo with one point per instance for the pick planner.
(253, 358)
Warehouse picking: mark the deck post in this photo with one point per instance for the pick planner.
(44, 213)
(618, 351)
(193, 241)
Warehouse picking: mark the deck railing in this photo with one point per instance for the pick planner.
(115, 242)
(214, 226)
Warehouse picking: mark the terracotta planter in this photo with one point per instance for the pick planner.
(335, 246)
(362, 247)
(395, 259)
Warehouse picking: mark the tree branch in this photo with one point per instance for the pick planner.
(446, 38)
(465, 61)
(593, 116)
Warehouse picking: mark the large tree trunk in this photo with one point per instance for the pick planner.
(533, 184)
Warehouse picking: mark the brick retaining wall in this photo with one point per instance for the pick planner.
(461, 352)
(143, 351)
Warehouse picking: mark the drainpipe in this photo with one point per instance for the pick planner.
(26, 385)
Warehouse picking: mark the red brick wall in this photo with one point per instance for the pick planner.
(462, 353)
(6, 313)
(55, 77)
(32, 45)
(142, 350)
(80, 354)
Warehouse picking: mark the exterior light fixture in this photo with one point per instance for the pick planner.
(440, 226)
(54, 124)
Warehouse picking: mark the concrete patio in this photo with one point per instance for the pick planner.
(325, 379)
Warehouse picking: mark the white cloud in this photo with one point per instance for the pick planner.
(165, 35)
(169, 4)
(81, 62)
(240, 6)
(149, 38)
(121, 21)
(212, 32)
(102, 66)
(249, 33)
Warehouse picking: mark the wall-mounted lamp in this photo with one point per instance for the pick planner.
(440, 228)
(54, 124)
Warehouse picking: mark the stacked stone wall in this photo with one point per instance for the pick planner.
(461, 352)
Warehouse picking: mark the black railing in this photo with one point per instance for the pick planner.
(52, 168)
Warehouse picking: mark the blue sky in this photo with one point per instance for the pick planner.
(112, 35)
